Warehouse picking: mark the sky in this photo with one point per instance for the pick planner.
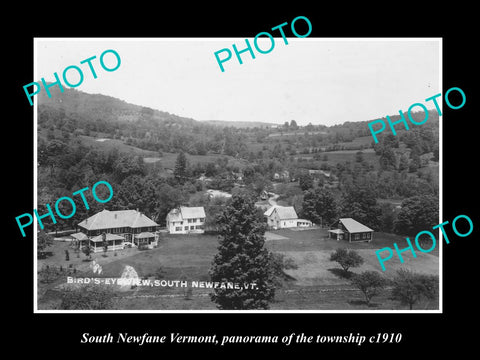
(311, 80)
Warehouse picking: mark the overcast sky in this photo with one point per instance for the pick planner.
(322, 81)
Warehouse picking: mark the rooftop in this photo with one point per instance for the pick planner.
(115, 219)
(284, 212)
(354, 226)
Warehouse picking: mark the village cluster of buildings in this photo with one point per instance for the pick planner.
(131, 228)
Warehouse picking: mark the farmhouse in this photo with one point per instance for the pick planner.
(186, 220)
(119, 227)
(280, 217)
(351, 230)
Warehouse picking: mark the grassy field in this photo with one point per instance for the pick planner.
(317, 283)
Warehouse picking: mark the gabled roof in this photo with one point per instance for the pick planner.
(284, 212)
(115, 219)
(354, 226)
(192, 212)
(174, 215)
(79, 236)
(269, 211)
(108, 237)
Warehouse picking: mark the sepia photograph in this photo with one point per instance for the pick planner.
(231, 175)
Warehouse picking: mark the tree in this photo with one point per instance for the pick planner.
(360, 203)
(435, 155)
(319, 206)
(305, 181)
(87, 250)
(346, 258)
(293, 124)
(359, 156)
(415, 162)
(89, 297)
(370, 284)
(403, 163)
(44, 240)
(180, 170)
(279, 263)
(409, 287)
(417, 213)
(388, 161)
(242, 258)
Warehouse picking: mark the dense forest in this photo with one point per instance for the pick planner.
(156, 161)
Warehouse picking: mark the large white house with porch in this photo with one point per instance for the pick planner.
(118, 228)
(186, 220)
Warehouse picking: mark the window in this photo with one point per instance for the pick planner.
(199, 227)
(201, 219)
(357, 236)
(186, 227)
(178, 228)
(190, 221)
(192, 227)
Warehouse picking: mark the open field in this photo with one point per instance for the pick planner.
(318, 284)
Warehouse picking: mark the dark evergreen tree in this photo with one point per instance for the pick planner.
(242, 258)
(388, 161)
(180, 170)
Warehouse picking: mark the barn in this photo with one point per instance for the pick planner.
(351, 230)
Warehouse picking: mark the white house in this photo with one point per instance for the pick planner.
(280, 217)
(186, 220)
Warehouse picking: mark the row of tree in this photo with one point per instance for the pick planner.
(407, 287)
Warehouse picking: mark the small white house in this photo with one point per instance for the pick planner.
(281, 217)
(186, 220)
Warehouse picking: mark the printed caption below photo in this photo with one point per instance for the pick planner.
(225, 340)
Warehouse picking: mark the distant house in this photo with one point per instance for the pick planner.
(204, 178)
(281, 217)
(186, 220)
(351, 230)
(119, 227)
(323, 172)
(264, 195)
(284, 175)
(217, 193)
